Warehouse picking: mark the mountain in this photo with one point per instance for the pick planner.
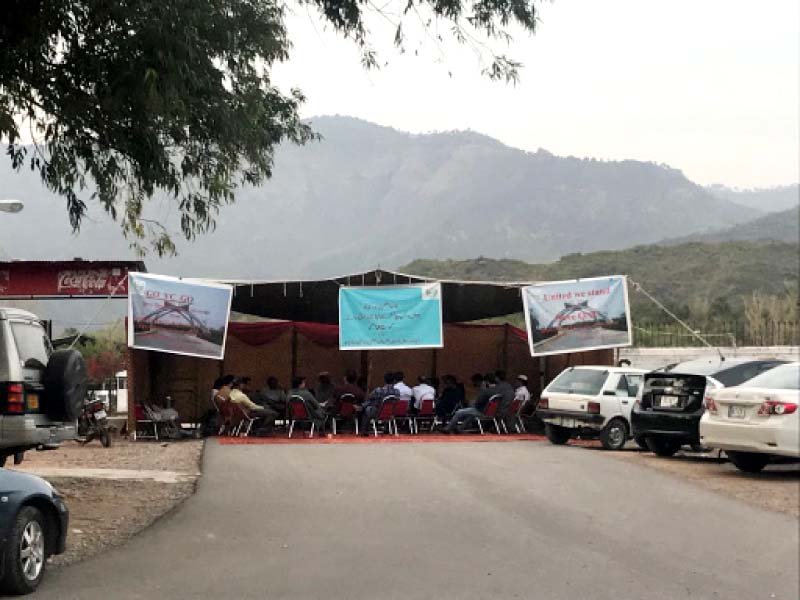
(681, 276)
(780, 226)
(765, 199)
(367, 195)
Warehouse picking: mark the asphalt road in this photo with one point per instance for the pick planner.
(176, 341)
(588, 337)
(459, 520)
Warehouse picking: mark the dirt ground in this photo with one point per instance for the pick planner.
(107, 512)
(776, 488)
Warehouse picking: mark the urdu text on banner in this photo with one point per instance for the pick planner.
(390, 317)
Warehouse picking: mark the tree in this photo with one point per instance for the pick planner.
(133, 97)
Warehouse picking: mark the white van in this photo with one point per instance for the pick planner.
(591, 402)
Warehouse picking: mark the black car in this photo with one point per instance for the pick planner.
(33, 527)
(668, 413)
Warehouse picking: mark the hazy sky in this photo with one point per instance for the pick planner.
(706, 86)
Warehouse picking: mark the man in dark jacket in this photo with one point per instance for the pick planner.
(464, 417)
(372, 404)
(506, 390)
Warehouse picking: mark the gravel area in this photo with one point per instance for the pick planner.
(776, 488)
(181, 456)
(107, 512)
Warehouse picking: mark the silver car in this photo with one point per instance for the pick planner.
(41, 391)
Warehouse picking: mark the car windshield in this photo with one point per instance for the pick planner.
(786, 377)
(579, 381)
(32, 342)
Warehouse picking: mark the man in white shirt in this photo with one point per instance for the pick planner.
(423, 390)
(521, 392)
(403, 391)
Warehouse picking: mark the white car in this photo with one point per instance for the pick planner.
(591, 402)
(756, 421)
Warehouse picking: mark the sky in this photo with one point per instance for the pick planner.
(709, 87)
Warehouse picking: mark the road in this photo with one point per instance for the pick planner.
(588, 337)
(458, 520)
(177, 341)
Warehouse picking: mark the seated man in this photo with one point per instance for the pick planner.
(325, 391)
(266, 416)
(373, 403)
(452, 398)
(315, 411)
(403, 391)
(464, 417)
(273, 396)
(350, 386)
(423, 390)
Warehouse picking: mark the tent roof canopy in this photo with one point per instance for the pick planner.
(318, 301)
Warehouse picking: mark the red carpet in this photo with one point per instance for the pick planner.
(348, 438)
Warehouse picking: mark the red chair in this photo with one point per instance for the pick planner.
(230, 418)
(385, 414)
(425, 413)
(298, 413)
(513, 414)
(401, 412)
(345, 411)
(490, 413)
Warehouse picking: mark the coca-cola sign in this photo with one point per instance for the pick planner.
(40, 279)
(90, 281)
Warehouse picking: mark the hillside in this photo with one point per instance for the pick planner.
(768, 200)
(684, 277)
(781, 226)
(368, 195)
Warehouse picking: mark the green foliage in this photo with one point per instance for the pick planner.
(131, 97)
(699, 282)
(104, 351)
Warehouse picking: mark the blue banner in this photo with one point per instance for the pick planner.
(390, 317)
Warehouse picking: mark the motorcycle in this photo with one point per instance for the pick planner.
(93, 423)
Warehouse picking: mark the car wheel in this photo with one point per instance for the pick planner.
(641, 441)
(749, 462)
(557, 435)
(662, 447)
(614, 435)
(26, 557)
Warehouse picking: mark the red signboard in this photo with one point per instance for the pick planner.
(77, 278)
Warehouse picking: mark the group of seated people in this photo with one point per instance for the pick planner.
(453, 411)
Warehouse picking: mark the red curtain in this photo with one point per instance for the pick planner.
(258, 334)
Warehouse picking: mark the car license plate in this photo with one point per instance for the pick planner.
(100, 414)
(669, 401)
(736, 412)
(33, 401)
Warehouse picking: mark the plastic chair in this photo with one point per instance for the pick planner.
(385, 414)
(298, 413)
(425, 413)
(490, 413)
(346, 411)
(400, 411)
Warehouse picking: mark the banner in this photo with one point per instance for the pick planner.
(166, 314)
(572, 316)
(396, 316)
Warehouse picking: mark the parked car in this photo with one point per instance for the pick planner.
(33, 527)
(590, 402)
(758, 421)
(41, 390)
(667, 415)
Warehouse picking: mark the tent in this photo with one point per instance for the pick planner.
(302, 337)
